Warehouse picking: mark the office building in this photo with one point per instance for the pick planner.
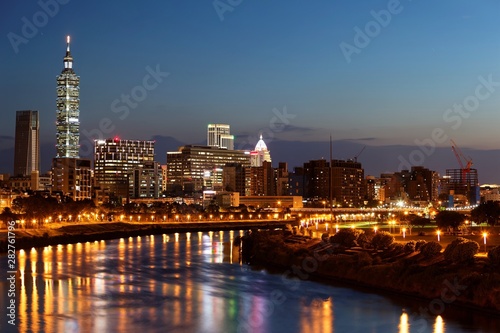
(114, 162)
(146, 181)
(72, 177)
(219, 135)
(235, 178)
(463, 186)
(196, 168)
(343, 182)
(27, 143)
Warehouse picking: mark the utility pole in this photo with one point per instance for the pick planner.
(330, 183)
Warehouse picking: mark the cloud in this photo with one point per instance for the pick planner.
(301, 129)
(362, 139)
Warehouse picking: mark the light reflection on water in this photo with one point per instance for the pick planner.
(190, 282)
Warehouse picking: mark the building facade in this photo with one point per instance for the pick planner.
(68, 109)
(344, 182)
(462, 184)
(235, 178)
(196, 168)
(72, 177)
(114, 162)
(263, 180)
(146, 181)
(27, 143)
(219, 135)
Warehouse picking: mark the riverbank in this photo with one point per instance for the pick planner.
(89, 232)
(474, 285)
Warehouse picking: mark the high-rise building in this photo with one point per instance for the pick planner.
(115, 160)
(260, 154)
(218, 135)
(262, 180)
(68, 109)
(27, 146)
(196, 168)
(70, 174)
(462, 184)
(345, 181)
(146, 181)
(234, 178)
(72, 177)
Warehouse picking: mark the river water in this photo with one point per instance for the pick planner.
(194, 282)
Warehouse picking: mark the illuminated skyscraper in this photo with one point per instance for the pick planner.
(27, 146)
(68, 109)
(218, 135)
(71, 175)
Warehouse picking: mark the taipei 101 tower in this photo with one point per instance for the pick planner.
(71, 175)
(68, 109)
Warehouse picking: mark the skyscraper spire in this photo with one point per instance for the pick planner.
(68, 59)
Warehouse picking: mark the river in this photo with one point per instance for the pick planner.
(194, 282)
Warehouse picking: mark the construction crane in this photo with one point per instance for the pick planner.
(460, 156)
(356, 157)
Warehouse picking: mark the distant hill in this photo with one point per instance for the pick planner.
(375, 159)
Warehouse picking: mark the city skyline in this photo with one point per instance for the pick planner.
(301, 68)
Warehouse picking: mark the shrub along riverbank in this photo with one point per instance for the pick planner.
(456, 275)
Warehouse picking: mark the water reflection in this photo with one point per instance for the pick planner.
(439, 325)
(404, 325)
(187, 282)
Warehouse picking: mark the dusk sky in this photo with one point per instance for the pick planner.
(236, 64)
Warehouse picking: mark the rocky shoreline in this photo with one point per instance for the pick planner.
(473, 284)
(80, 233)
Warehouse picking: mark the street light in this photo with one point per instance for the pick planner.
(439, 235)
(484, 237)
(404, 232)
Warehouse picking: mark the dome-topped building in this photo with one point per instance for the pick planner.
(260, 154)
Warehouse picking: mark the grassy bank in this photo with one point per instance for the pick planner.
(474, 283)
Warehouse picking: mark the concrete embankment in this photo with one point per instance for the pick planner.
(89, 232)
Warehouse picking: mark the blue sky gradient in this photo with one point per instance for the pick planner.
(262, 56)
